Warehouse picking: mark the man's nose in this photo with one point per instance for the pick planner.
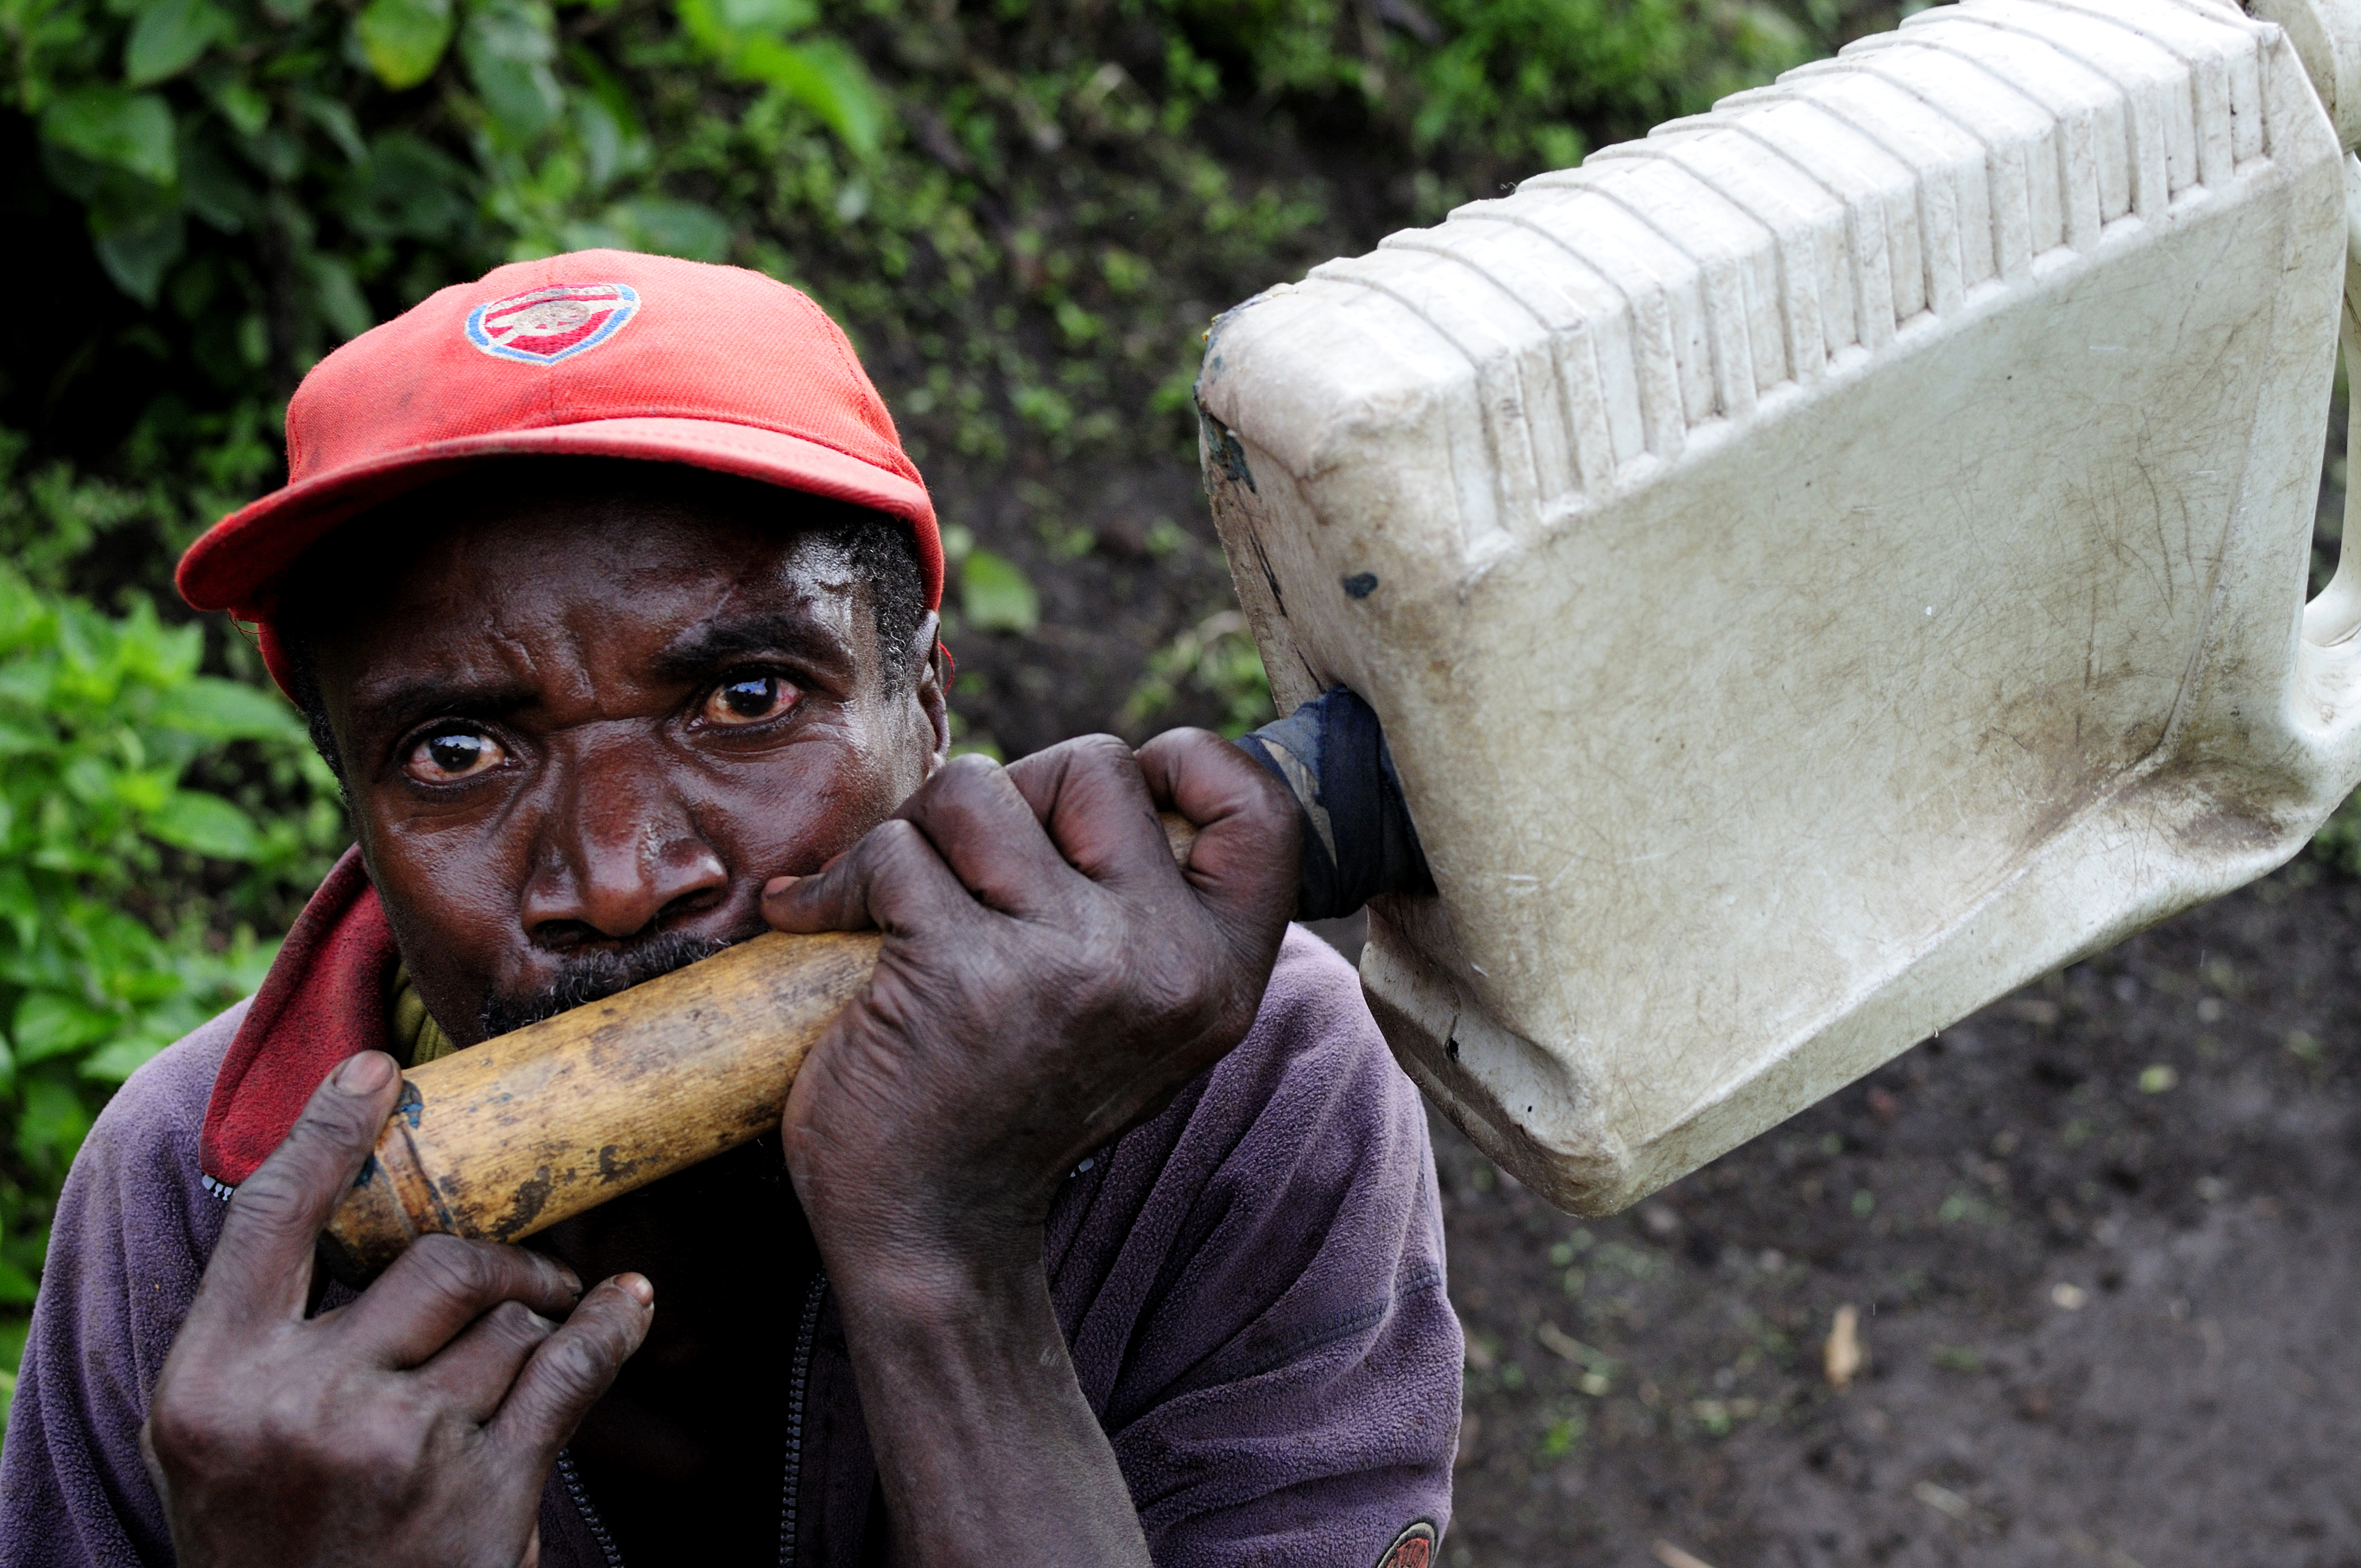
(619, 854)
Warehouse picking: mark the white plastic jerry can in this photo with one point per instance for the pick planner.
(1822, 566)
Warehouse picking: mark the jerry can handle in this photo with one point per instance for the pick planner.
(2332, 619)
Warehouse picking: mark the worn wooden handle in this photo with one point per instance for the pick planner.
(512, 1136)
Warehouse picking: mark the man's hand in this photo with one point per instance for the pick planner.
(415, 1425)
(1048, 978)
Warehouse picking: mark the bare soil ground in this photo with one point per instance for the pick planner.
(2104, 1240)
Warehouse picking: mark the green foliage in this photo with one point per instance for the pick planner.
(756, 40)
(403, 40)
(1217, 658)
(2338, 842)
(1525, 77)
(322, 151)
(119, 881)
(985, 590)
(1533, 84)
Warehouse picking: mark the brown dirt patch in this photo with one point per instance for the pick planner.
(2101, 1238)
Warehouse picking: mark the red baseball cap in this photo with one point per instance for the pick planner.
(597, 354)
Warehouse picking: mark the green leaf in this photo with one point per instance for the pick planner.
(205, 825)
(29, 683)
(337, 121)
(48, 1025)
(89, 778)
(137, 249)
(216, 188)
(413, 190)
(340, 297)
(995, 595)
(825, 76)
(143, 790)
(130, 131)
(667, 227)
(16, 1289)
(403, 40)
(169, 38)
(508, 45)
(246, 110)
(21, 906)
(53, 1125)
(216, 709)
(113, 1064)
(776, 17)
(275, 152)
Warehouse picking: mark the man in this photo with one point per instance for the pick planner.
(1100, 1230)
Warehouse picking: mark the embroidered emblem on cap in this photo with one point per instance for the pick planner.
(549, 324)
(1413, 1548)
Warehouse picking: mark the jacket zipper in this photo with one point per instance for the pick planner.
(807, 1331)
(597, 1526)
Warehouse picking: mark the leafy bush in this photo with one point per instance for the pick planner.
(1217, 659)
(1530, 83)
(116, 875)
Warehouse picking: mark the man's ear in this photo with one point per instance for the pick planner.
(932, 690)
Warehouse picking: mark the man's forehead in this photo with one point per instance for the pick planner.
(602, 588)
(596, 547)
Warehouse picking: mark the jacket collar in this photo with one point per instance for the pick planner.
(324, 1000)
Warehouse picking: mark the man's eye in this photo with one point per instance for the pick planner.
(750, 700)
(453, 755)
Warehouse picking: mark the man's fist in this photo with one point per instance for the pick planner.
(415, 1425)
(1049, 978)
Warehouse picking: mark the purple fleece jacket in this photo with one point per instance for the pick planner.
(1252, 1285)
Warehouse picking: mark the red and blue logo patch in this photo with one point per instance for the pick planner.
(1413, 1548)
(545, 325)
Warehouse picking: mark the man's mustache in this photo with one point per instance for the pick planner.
(593, 977)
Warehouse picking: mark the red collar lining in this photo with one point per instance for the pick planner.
(324, 1000)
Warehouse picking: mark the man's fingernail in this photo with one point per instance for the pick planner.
(366, 1073)
(638, 1287)
(778, 887)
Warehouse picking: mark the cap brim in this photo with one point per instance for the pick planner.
(235, 564)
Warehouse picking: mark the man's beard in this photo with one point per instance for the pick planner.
(593, 977)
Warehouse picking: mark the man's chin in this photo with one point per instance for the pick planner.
(593, 977)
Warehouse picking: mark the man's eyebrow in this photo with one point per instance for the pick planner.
(400, 703)
(701, 648)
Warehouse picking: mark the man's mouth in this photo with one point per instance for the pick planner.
(593, 977)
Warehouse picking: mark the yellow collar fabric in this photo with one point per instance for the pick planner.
(413, 1035)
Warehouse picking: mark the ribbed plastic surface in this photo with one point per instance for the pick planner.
(1611, 315)
(1819, 565)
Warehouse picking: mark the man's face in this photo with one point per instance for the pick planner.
(580, 733)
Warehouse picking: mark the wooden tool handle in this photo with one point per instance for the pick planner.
(511, 1137)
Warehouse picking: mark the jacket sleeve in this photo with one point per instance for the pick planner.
(1253, 1288)
(132, 1233)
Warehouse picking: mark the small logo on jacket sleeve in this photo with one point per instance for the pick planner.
(546, 325)
(1413, 1548)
